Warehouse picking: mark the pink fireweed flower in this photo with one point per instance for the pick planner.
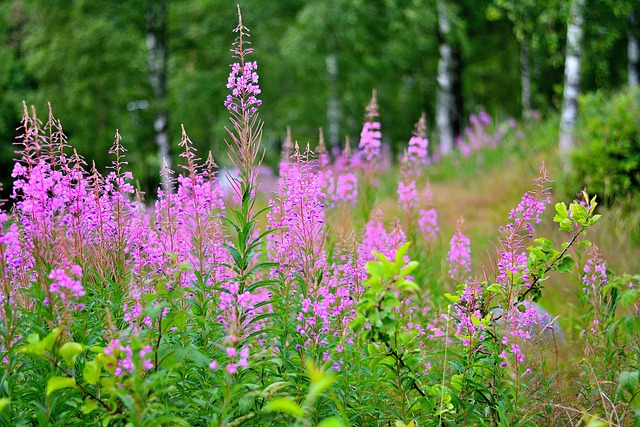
(371, 137)
(459, 254)
(512, 268)
(595, 273)
(418, 143)
(376, 238)
(243, 78)
(428, 223)
(66, 283)
(594, 278)
(407, 195)
(347, 187)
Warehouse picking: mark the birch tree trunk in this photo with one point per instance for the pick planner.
(334, 114)
(525, 77)
(445, 99)
(157, 58)
(633, 51)
(571, 80)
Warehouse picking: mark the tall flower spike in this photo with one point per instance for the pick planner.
(322, 152)
(243, 79)
(418, 143)
(242, 103)
(370, 137)
(459, 254)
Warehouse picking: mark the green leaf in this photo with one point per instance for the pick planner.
(70, 350)
(566, 264)
(91, 372)
(89, 406)
(453, 298)
(407, 286)
(409, 268)
(494, 287)
(50, 339)
(389, 267)
(331, 422)
(401, 252)
(57, 383)
(562, 212)
(237, 258)
(628, 381)
(4, 402)
(357, 324)
(37, 347)
(286, 405)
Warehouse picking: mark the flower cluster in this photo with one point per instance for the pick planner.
(370, 137)
(459, 257)
(66, 283)
(243, 78)
(122, 360)
(419, 142)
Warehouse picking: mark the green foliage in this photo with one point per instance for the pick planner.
(607, 159)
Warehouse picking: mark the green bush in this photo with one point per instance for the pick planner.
(607, 159)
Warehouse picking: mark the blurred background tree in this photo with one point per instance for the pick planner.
(318, 62)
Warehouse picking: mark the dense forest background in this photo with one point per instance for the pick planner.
(147, 66)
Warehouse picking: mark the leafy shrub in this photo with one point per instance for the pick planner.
(608, 160)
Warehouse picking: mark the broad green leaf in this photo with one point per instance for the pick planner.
(566, 264)
(286, 405)
(57, 383)
(389, 267)
(331, 422)
(88, 406)
(4, 402)
(562, 212)
(69, 351)
(453, 298)
(407, 286)
(409, 268)
(357, 324)
(37, 347)
(374, 268)
(401, 252)
(595, 219)
(494, 287)
(91, 372)
(628, 381)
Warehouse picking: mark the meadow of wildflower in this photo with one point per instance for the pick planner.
(218, 303)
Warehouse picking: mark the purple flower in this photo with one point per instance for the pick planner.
(371, 137)
(459, 254)
(407, 195)
(243, 78)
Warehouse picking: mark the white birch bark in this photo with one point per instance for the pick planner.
(633, 51)
(334, 114)
(571, 80)
(525, 77)
(157, 59)
(445, 100)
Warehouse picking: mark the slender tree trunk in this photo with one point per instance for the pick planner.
(157, 43)
(445, 99)
(334, 113)
(525, 77)
(571, 80)
(633, 51)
